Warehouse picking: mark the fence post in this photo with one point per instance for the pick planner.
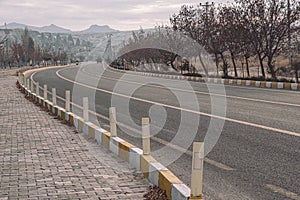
(45, 92)
(54, 96)
(146, 136)
(113, 121)
(37, 89)
(197, 170)
(68, 102)
(86, 109)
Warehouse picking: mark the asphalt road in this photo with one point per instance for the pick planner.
(256, 155)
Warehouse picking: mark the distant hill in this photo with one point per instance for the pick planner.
(97, 29)
(50, 29)
(15, 26)
(56, 29)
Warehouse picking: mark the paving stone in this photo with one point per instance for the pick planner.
(40, 158)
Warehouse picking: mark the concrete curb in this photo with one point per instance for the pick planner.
(155, 172)
(233, 82)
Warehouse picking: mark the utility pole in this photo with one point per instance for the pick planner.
(206, 5)
(206, 32)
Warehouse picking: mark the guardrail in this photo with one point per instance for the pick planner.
(140, 159)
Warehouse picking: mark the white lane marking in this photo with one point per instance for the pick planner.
(283, 191)
(184, 109)
(188, 152)
(197, 92)
(274, 188)
(234, 86)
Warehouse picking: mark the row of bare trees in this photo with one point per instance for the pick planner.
(244, 29)
(146, 48)
(161, 46)
(234, 33)
(26, 52)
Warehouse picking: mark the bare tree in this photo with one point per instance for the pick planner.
(267, 22)
(17, 52)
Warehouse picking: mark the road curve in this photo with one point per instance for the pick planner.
(256, 155)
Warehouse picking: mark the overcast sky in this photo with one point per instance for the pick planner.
(80, 14)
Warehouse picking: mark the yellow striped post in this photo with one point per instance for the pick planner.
(85, 109)
(45, 92)
(68, 101)
(197, 170)
(54, 96)
(113, 121)
(37, 89)
(146, 136)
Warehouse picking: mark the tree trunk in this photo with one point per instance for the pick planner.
(204, 68)
(173, 58)
(225, 65)
(247, 66)
(296, 75)
(234, 65)
(271, 67)
(217, 63)
(262, 66)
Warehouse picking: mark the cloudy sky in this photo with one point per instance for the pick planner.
(80, 14)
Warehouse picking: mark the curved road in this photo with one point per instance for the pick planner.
(257, 155)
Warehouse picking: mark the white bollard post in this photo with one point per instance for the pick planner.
(197, 170)
(31, 86)
(45, 92)
(146, 136)
(19, 78)
(37, 89)
(113, 121)
(54, 96)
(68, 101)
(27, 85)
(86, 109)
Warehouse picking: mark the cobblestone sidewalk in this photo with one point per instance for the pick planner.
(40, 158)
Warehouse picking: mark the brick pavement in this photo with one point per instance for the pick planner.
(40, 158)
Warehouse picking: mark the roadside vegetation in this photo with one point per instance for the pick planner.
(26, 52)
(253, 39)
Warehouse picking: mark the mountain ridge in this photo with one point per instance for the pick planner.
(52, 28)
(97, 28)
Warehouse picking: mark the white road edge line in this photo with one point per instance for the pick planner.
(186, 110)
(188, 152)
(236, 86)
(198, 92)
(274, 188)
(283, 192)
